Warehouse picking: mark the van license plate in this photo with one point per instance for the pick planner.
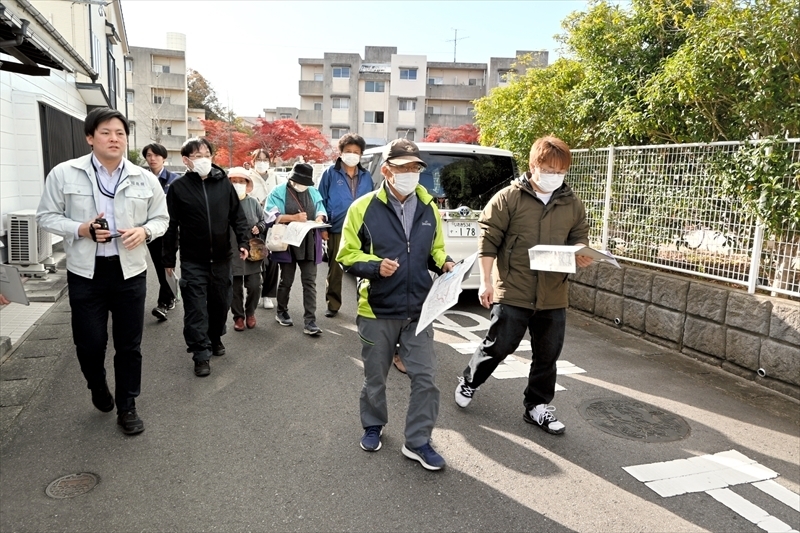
(462, 229)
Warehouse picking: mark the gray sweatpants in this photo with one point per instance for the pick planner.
(378, 340)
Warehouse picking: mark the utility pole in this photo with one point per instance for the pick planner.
(455, 42)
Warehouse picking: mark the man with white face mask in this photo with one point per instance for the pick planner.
(390, 240)
(203, 205)
(539, 208)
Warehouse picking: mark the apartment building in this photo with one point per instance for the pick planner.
(156, 97)
(58, 60)
(387, 95)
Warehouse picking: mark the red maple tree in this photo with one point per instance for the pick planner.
(464, 134)
(223, 135)
(286, 139)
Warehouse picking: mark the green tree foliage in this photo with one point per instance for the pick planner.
(658, 71)
(202, 96)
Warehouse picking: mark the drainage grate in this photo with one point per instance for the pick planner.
(634, 420)
(72, 485)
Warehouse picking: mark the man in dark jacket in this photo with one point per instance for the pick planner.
(390, 241)
(539, 208)
(155, 155)
(203, 205)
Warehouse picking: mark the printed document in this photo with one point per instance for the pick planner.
(555, 258)
(444, 292)
(296, 231)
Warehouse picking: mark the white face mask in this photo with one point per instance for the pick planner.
(351, 160)
(241, 190)
(202, 166)
(548, 182)
(262, 166)
(298, 187)
(406, 182)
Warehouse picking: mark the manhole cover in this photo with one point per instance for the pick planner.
(72, 485)
(634, 420)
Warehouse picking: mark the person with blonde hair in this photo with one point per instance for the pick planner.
(538, 208)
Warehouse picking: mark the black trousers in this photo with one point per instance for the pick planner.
(207, 290)
(165, 295)
(269, 285)
(91, 300)
(506, 328)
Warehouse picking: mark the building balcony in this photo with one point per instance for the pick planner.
(310, 88)
(169, 111)
(168, 80)
(309, 116)
(173, 142)
(448, 121)
(455, 92)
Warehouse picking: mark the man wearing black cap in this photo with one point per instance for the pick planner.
(299, 201)
(390, 240)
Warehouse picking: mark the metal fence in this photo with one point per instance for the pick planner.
(666, 206)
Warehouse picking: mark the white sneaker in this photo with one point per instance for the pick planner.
(542, 416)
(266, 303)
(464, 393)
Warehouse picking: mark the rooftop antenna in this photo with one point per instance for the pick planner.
(455, 40)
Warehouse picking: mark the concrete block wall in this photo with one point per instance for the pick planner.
(753, 336)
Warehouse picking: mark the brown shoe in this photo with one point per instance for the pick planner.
(251, 321)
(238, 323)
(398, 364)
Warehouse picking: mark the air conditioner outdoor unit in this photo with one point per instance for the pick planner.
(28, 243)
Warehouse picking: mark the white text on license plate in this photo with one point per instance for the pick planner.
(462, 229)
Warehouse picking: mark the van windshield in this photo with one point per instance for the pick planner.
(465, 179)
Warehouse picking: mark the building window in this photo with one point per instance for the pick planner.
(161, 68)
(169, 130)
(408, 73)
(95, 53)
(128, 64)
(373, 117)
(375, 86)
(408, 105)
(340, 103)
(435, 81)
(158, 99)
(502, 76)
(336, 133)
(129, 96)
(435, 110)
(318, 76)
(286, 115)
(341, 72)
(317, 106)
(475, 81)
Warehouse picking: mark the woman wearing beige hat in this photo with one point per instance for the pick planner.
(246, 273)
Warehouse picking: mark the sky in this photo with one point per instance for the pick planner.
(248, 50)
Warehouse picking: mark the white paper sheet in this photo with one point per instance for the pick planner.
(444, 292)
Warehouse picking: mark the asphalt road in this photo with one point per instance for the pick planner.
(269, 441)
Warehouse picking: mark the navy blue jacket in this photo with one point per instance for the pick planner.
(336, 194)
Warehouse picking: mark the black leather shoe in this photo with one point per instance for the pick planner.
(130, 422)
(218, 349)
(330, 313)
(102, 399)
(202, 368)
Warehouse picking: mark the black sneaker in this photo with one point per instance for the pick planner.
(542, 416)
(202, 368)
(130, 422)
(171, 305)
(330, 313)
(160, 313)
(311, 329)
(102, 399)
(284, 319)
(218, 349)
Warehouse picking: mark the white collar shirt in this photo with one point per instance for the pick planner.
(108, 183)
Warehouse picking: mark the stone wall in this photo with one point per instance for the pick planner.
(753, 336)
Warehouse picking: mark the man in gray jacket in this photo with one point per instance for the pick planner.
(106, 208)
(538, 208)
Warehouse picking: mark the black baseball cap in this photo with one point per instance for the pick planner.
(402, 151)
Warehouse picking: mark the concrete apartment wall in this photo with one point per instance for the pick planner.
(753, 336)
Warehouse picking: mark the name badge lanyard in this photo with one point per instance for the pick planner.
(103, 190)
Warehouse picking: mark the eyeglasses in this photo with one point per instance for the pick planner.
(408, 167)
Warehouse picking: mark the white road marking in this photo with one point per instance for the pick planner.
(712, 474)
(780, 493)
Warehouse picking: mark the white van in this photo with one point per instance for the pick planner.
(462, 178)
